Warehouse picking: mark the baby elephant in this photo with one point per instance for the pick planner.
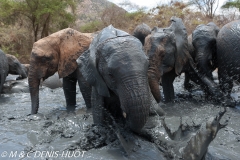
(58, 53)
(116, 66)
(9, 64)
(16, 68)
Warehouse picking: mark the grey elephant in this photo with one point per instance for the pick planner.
(173, 43)
(16, 68)
(214, 48)
(142, 31)
(3, 68)
(169, 46)
(202, 48)
(9, 64)
(228, 57)
(116, 66)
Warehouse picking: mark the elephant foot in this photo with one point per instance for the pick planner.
(71, 108)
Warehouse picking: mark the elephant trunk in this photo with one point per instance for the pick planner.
(154, 78)
(34, 83)
(22, 72)
(135, 102)
(203, 63)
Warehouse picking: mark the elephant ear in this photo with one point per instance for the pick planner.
(87, 65)
(182, 54)
(71, 45)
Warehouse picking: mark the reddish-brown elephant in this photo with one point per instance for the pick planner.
(58, 53)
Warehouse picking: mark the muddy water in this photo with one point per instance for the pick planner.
(56, 134)
(62, 135)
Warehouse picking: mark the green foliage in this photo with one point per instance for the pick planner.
(43, 15)
(135, 15)
(91, 27)
(232, 4)
(16, 41)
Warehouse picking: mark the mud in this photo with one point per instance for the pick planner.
(73, 136)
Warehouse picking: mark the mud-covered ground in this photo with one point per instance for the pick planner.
(56, 134)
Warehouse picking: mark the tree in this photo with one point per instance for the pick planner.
(232, 4)
(208, 7)
(43, 15)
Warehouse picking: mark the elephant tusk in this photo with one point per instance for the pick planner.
(124, 115)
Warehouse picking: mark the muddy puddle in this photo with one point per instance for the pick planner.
(56, 134)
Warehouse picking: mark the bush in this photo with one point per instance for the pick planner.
(16, 41)
(91, 27)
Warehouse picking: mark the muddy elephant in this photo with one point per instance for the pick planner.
(170, 46)
(204, 43)
(58, 53)
(202, 48)
(16, 68)
(116, 66)
(9, 64)
(3, 68)
(217, 48)
(228, 56)
(141, 32)
(173, 42)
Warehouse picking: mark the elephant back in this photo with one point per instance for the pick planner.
(228, 48)
(141, 32)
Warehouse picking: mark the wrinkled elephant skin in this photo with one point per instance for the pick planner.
(58, 52)
(228, 56)
(116, 66)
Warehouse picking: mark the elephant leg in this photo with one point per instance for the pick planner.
(97, 107)
(187, 85)
(69, 88)
(167, 83)
(85, 89)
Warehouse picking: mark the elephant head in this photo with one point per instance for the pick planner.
(141, 32)
(26, 68)
(116, 64)
(167, 49)
(57, 52)
(15, 67)
(204, 42)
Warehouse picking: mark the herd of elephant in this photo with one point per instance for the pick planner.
(122, 72)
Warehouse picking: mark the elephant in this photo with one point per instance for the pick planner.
(228, 57)
(201, 45)
(142, 31)
(10, 65)
(3, 68)
(170, 46)
(16, 68)
(58, 52)
(116, 66)
(204, 43)
(217, 48)
(173, 41)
